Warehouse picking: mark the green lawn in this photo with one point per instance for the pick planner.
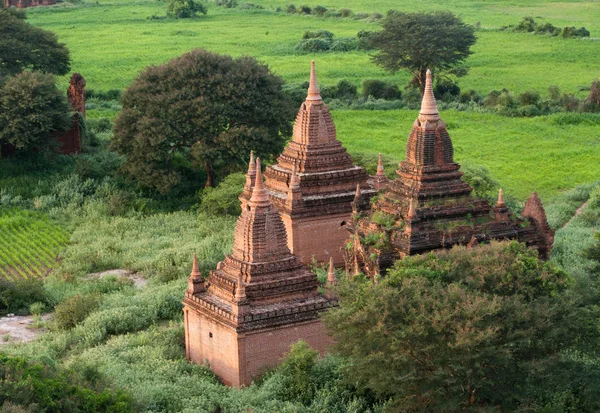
(111, 41)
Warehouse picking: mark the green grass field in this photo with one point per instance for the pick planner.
(111, 41)
(29, 244)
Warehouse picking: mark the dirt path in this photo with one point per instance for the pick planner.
(19, 329)
(577, 212)
(139, 282)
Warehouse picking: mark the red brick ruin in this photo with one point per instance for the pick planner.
(70, 141)
(22, 4)
(258, 302)
(313, 183)
(428, 206)
(261, 299)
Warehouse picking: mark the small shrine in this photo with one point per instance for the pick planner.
(313, 183)
(258, 301)
(428, 206)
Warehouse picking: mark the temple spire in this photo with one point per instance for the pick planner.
(195, 269)
(429, 110)
(314, 93)
(195, 280)
(240, 289)
(252, 163)
(331, 280)
(500, 202)
(380, 170)
(260, 195)
(294, 184)
(357, 195)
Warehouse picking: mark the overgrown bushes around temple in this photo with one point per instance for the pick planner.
(503, 331)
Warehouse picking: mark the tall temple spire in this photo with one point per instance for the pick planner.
(331, 280)
(429, 110)
(314, 93)
(380, 170)
(500, 202)
(260, 194)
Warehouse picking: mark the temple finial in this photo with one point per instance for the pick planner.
(260, 195)
(240, 289)
(380, 170)
(429, 109)
(500, 202)
(195, 269)
(331, 280)
(252, 163)
(314, 93)
(357, 195)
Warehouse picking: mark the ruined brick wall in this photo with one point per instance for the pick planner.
(209, 341)
(70, 141)
(321, 237)
(265, 349)
(22, 4)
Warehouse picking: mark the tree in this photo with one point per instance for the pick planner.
(184, 9)
(490, 328)
(23, 46)
(439, 41)
(201, 110)
(31, 108)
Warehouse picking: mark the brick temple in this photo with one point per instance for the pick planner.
(313, 183)
(70, 141)
(428, 206)
(260, 300)
(22, 4)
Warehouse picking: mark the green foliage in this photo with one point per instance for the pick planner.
(379, 89)
(24, 47)
(223, 200)
(439, 41)
(26, 385)
(31, 108)
(481, 180)
(229, 4)
(230, 106)
(184, 9)
(529, 25)
(319, 10)
(74, 310)
(323, 41)
(17, 297)
(500, 332)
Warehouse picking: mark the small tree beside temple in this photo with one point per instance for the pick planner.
(201, 110)
(439, 41)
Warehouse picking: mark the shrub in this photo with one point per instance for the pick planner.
(296, 92)
(481, 180)
(361, 15)
(568, 32)
(364, 40)
(304, 9)
(318, 34)
(229, 4)
(470, 95)
(291, 9)
(380, 90)
(111, 94)
(74, 310)
(17, 296)
(345, 12)
(319, 10)
(99, 124)
(333, 13)
(526, 25)
(446, 89)
(528, 111)
(547, 28)
(184, 9)
(345, 90)
(412, 96)
(224, 198)
(344, 45)
(530, 97)
(313, 45)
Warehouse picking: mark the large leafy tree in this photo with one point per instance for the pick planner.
(204, 110)
(485, 329)
(23, 46)
(439, 41)
(31, 108)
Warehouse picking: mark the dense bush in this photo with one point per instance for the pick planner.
(29, 387)
(379, 89)
(304, 9)
(528, 25)
(111, 94)
(345, 12)
(446, 89)
(229, 4)
(291, 9)
(184, 9)
(319, 10)
(318, 34)
(74, 310)
(31, 108)
(224, 198)
(323, 40)
(17, 296)
(313, 45)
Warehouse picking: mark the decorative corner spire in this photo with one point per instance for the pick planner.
(240, 289)
(429, 110)
(314, 93)
(500, 202)
(412, 214)
(357, 195)
(195, 269)
(380, 170)
(260, 195)
(331, 280)
(294, 183)
(252, 163)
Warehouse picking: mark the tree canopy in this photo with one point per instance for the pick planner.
(490, 328)
(183, 9)
(31, 108)
(200, 110)
(439, 41)
(23, 46)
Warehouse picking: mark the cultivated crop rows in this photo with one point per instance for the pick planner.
(29, 244)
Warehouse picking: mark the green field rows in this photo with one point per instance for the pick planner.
(29, 244)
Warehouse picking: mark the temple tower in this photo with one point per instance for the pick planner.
(260, 300)
(314, 182)
(428, 206)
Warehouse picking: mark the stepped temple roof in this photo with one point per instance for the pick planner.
(428, 206)
(260, 284)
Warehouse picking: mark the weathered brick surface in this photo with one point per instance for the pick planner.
(428, 206)
(22, 4)
(70, 141)
(259, 300)
(326, 182)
